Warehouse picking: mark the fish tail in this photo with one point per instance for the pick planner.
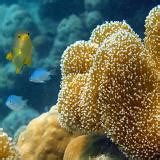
(18, 70)
(28, 61)
(52, 72)
(9, 56)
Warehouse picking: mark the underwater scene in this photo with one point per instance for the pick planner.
(80, 80)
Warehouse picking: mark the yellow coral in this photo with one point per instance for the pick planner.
(109, 86)
(101, 32)
(69, 99)
(7, 149)
(152, 39)
(78, 58)
(128, 97)
(120, 93)
(76, 62)
(120, 52)
(44, 139)
(76, 148)
(87, 147)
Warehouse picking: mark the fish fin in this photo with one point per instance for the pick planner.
(28, 61)
(52, 72)
(18, 70)
(9, 56)
(48, 78)
(42, 82)
(17, 51)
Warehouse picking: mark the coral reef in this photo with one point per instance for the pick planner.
(78, 58)
(102, 32)
(73, 53)
(7, 148)
(7, 71)
(95, 5)
(59, 143)
(52, 33)
(42, 45)
(119, 94)
(95, 81)
(152, 32)
(86, 147)
(92, 19)
(20, 118)
(44, 139)
(69, 30)
(18, 132)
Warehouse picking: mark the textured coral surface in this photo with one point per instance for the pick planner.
(110, 85)
(7, 148)
(152, 39)
(44, 139)
(87, 147)
(119, 94)
(78, 58)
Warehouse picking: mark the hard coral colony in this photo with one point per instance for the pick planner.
(110, 84)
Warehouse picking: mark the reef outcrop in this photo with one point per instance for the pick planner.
(44, 139)
(8, 150)
(110, 85)
(119, 95)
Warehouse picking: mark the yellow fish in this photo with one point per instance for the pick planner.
(21, 53)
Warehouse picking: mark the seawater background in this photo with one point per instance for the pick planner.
(53, 25)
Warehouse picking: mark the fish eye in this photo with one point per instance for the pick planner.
(19, 36)
(28, 34)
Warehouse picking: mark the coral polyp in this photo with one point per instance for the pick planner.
(152, 39)
(8, 150)
(120, 93)
(78, 58)
(128, 97)
(101, 32)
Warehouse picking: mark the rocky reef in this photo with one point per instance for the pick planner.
(110, 86)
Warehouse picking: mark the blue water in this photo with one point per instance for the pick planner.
(53, 25)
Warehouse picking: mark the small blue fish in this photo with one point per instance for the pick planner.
(41, 75)
(15, 102)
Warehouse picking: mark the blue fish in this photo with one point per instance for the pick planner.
(41, 75)
(15, 102)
